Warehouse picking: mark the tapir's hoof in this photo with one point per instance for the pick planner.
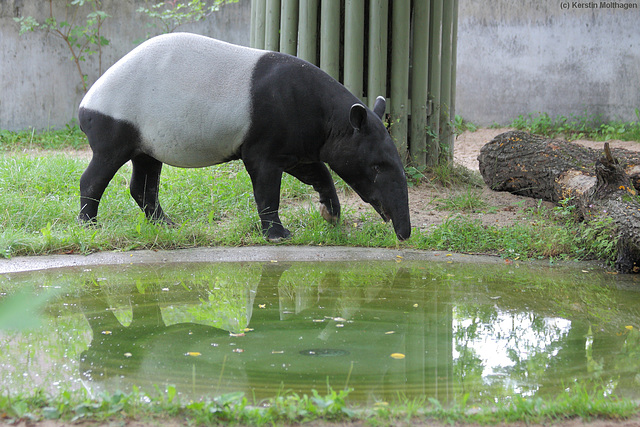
(276, 234)
(85, 221)
(328, 216)
(164, 220)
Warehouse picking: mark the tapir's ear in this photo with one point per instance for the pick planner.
(358, 116)
(379, 106)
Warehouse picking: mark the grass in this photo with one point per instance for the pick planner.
(289, 408)
(39, 204)
(215, 206)
(69, 138)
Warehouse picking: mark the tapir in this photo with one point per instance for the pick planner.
(192, 101)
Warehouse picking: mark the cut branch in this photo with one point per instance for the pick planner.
(599, 184)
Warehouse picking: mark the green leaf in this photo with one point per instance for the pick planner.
(171, 393)
(21, 311)
(50, 413)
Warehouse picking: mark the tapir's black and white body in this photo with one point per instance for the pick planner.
(192, 101)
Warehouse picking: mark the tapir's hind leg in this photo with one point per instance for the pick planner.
(317, 175)
(94, 181)
(113, 143)
(145, 184)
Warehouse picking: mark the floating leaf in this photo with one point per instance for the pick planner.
(397, 356)
(629, 327)
(390, 332)
(193, 353)
(277, 351)
(415, 305)
(128, 355)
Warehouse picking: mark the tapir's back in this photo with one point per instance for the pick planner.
(188, 96)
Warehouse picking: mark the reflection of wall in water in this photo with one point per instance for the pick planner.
(351, 324)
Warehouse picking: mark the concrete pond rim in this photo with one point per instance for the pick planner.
(263, 254)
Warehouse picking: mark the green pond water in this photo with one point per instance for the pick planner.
(441, 330)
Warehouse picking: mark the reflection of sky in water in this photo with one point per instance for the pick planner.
(510, 338)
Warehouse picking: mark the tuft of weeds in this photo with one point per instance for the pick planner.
(467, 200)
(566, 236)
(451, 175)
(445, 174)
(461, 125)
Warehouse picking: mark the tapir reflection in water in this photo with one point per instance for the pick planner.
(191, 101)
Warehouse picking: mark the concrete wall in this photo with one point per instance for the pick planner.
(514, 57)
(519, 57)
(39, 84)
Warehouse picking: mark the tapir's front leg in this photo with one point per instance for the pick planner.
(266, 180)
(317, 175)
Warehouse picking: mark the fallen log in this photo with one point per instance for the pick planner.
(554, 170)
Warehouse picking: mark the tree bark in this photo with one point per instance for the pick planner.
(554, 170)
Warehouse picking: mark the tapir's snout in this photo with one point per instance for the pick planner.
(401, 222)
(403, 230)
(398, 213)
(388, 195)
